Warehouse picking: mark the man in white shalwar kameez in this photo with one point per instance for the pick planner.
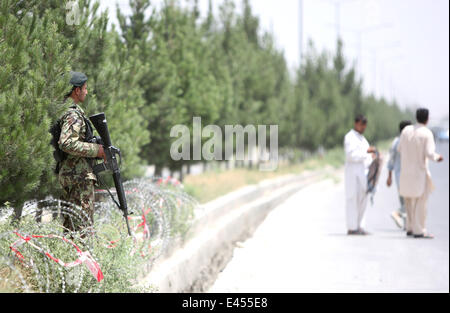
(416, 147)
(358, 157)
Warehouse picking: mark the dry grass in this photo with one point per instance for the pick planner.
(211, 185)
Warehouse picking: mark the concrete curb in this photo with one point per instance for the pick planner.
(193, 266)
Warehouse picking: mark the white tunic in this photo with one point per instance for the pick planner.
(416, 147)
(357, 162)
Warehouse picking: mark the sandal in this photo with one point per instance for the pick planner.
(424, 236)
(362, 232)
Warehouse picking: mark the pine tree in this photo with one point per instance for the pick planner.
(34, 60)
(40, 48)
(113, 73)
(166, 66)
(178, 84)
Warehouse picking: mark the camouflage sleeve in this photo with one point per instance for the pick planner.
(71, 141)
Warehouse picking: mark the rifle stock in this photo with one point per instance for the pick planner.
(100, 124)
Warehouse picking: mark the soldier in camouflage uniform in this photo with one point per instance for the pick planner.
(76, 175)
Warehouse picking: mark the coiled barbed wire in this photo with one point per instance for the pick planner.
(160, 212)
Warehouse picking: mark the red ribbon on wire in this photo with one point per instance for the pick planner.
(83, 257)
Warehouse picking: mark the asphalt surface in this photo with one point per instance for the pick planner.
(302, 245)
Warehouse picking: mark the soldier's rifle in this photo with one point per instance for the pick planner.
(111, 152)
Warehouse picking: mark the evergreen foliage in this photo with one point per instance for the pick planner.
(161, 67)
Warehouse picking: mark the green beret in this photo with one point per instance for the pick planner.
(78, 79)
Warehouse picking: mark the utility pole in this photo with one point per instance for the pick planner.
(361, 33)
(300, 30)
(387, 83)
(375, 53)
(364, 31)
(337, 14)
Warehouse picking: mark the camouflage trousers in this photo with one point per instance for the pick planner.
(81, 193)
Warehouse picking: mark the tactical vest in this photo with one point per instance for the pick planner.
(55, 131)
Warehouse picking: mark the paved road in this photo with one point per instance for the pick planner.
(302, 246)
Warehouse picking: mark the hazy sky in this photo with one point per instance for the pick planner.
(401, 47)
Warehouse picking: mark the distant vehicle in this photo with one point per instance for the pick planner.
(440, 134)
(443, 135)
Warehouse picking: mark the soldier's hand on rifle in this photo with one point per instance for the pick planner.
(101, 153)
